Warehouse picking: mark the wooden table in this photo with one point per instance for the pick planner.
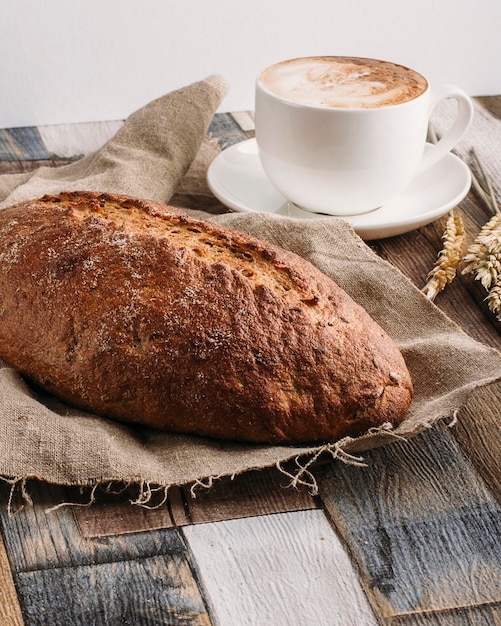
(412, 539)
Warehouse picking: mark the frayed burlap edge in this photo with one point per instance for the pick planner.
(300, 477)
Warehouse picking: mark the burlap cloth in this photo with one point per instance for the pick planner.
(162, 149)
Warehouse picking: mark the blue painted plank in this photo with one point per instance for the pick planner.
(225, 130)
(150, 591)
(22, 144)
(424, 529)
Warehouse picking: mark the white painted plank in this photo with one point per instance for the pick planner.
(287, 569)
(68, 140)
(245, 119)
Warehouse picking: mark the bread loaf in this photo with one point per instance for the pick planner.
(138, 312)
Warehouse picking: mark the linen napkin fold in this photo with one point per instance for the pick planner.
(40, 437)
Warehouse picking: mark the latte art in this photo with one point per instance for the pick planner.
(342, 82)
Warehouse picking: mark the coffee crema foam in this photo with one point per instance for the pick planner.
(342, 82)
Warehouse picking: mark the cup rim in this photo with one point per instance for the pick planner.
(291, 103)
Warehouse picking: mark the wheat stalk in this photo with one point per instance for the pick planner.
(448, 259)
(484, 262)
(494, 300)
(483, 258)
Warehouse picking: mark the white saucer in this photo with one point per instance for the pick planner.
(237, 179)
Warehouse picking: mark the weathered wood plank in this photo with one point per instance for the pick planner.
(71, 140)
(22, 144)
(245, 119)
(246, 495)
(148, 591)
(478, 435)
(226, 130)
(491, 104)
(282, 570)
(37, 539)
(18, 167)
(10, 611)
(486, 615)
(422, 526)
(59, 573)
(120, 518)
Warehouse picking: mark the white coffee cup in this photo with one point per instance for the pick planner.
(344, 135)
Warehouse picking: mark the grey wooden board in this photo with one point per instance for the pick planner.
(226, 130)
(64, 578)
(422, 526)
(468, 616)
(22, 144)
(145, 591)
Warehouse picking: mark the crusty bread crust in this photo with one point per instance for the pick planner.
(136, 311)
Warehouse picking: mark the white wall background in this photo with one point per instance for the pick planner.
(85, 60)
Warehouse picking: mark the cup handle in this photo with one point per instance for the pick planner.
(458, 128)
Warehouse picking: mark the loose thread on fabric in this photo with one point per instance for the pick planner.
(305, 478)
(454, 419)
(108, 487)
(147, 492)
(26, 498)
(205, 483)
(92, 499)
